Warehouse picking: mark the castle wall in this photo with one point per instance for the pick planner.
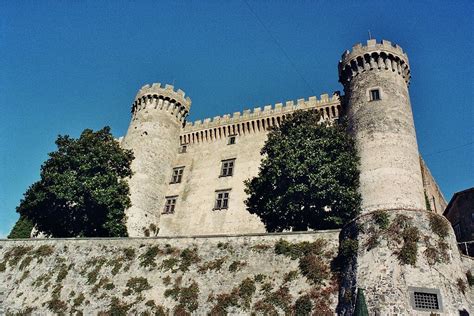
(387, 282)
(433, 192)
(46, 276)
(206, 146)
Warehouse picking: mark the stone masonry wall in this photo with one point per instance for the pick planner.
(161, 276)
(407, 249)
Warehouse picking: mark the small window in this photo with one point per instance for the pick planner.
(227, 168)
(170, 204)
(231, 140)
(374, 95)
(177, 175)
(425, 299)
(222, 200)
(182, 149)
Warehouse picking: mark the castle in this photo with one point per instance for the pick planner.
(211, 257)
(189, 177)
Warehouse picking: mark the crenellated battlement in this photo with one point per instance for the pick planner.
(258, 119)
(373, 55)
(163, 98)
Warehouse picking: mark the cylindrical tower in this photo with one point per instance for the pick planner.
(406, 260)
(158, 114)
(375, 79)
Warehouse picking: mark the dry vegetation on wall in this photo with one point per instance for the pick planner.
(402, 236)
(154, 277)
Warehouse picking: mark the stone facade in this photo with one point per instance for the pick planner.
(158, 132)
(143, 276)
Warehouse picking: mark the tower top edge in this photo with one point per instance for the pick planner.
(165, 91)
(373, 46)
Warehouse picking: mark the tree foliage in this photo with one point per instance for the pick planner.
(82, 191)
(22, 228)
(308, 177)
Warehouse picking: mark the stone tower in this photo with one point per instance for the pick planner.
(406, 258)
(158, 114)
(375, 79)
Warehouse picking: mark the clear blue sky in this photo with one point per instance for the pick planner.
(70, 65)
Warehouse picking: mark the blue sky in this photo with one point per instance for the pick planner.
(70, 65)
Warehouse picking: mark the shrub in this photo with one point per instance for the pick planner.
(236, 265)
(290, 276)
(280, 298)
(313, 268)
(223, 302)
(212, 265)
(26, 262)
(188, 257)
(169, 264)
(297, 250)
(246, 290)
(138, 284)
(382, 219)
(303, 306)
(147, 259)
(15, 254)
(439, 226)
(409, 250)
(118, 308)
(129, 253)
(62, 273)
(43, 251)
(187, 297)
(461, 285)
(263, 308)
(78, 300)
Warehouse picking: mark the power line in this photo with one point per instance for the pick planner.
(449, 149)
(280, 47)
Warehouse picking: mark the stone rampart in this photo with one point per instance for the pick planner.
(237, 274)
(257, 120)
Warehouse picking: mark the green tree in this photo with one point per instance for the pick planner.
(22, 228)
(83, 190)
(308, 177)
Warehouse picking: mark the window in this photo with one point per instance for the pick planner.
(182, 149)
(457, 231)
(170, 204)
(222, 199)
(374, 94)
(177, 175)
(425, 299)
(231, 140)
(227, 168)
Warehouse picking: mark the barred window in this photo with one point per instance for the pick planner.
(222, 200)
(426, 300)
(170, 204)
(177, 175)
(227, 168)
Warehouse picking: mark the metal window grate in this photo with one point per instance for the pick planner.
(426, 300)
